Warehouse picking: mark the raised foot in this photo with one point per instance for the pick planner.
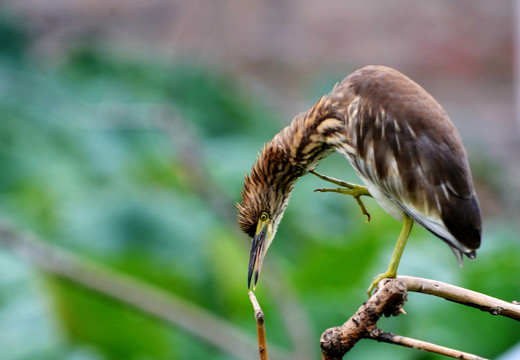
(354, 190)
(388, 274)
(358, 189)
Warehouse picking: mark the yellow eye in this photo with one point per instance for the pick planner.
(264, 216)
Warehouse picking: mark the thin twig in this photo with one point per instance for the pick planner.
(142, 296)
(388, 300)
(260, 327)
(389, 338)
(462, 296)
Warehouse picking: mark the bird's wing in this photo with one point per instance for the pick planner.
(424, 173)
(400, 139)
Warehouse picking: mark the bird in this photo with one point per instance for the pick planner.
(401, 144)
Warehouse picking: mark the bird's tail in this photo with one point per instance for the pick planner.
(472, 255)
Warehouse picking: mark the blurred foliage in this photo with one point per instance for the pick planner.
(87, 164)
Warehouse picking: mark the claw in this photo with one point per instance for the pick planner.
(363, 208)
(356, 192)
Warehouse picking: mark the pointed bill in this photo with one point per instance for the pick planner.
(256, 256)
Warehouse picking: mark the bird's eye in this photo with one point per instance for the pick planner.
(264, 216)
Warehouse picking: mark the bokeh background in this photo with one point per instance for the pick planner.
(126, 128)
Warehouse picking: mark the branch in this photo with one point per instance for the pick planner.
(138, 294)
(389, 299)
(462, 296)
(260, 327)
(389, 338)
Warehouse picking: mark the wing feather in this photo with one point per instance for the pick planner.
(408, 149)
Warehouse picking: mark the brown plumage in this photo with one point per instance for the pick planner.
(400, 142)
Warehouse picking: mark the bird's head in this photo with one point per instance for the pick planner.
(264, 199)
(292, 153)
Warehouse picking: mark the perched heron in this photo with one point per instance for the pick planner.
(401, 144)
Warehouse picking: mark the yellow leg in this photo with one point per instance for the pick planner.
(396, 256)
(357, 189)
(354, 190)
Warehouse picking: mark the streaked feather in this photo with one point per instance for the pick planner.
(412, 154)
(400, 142)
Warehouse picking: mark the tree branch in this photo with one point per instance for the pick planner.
(462, 296)
(389, 338)
(260, 327)
(389, 299)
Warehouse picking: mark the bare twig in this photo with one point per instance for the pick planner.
(260, 327)
(462, 296)
(382, 336)
(388, 300)
(142, 296)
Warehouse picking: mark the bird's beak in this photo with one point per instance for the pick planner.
(259, 246)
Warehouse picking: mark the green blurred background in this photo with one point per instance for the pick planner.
(126, 128)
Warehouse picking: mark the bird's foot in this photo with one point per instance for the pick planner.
(361, 190)
(388, 274)
(354, 190)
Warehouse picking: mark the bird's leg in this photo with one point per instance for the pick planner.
(354, 190)
(362, 190)
(391, 272)
(352, 193)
